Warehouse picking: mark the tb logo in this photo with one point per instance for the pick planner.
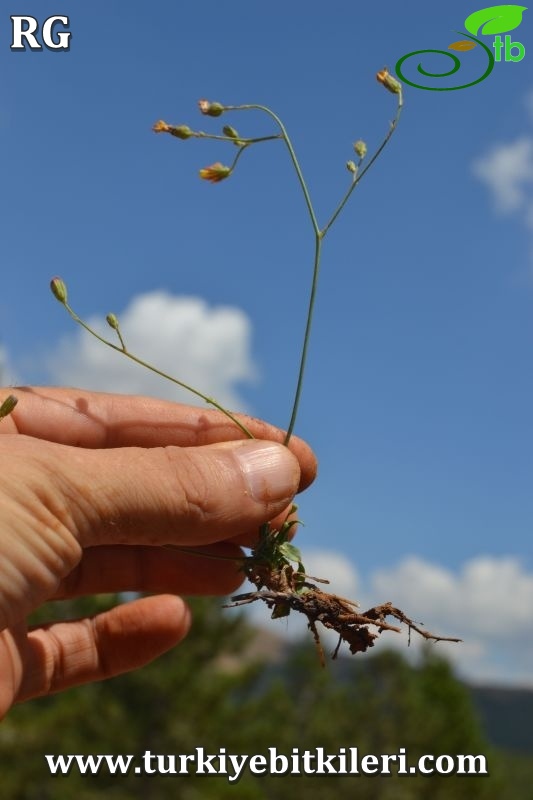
(26, 31)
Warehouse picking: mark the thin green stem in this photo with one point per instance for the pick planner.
(316, 266)
(159, 372)
(203, 554)
(363, 172)
(239, 154)
(319, 234)
(303, 357)
(286, 139)
(240, 140)
(121, 340)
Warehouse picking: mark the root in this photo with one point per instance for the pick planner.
(286, 590)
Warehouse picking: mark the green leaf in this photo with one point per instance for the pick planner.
(285, 532)
(495, 19)
(290, 552)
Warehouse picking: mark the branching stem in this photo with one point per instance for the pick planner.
(319, 233)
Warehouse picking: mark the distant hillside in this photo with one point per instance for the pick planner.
(507, 716)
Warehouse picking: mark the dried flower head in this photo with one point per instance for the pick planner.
(215, 173)
(211, 109)
(390, 83)
(179, 131)
(161, 127)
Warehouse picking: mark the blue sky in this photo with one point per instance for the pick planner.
(419, 388)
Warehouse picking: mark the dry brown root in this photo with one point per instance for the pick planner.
(286, 591)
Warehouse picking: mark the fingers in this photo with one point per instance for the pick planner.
(99, 420)
(214, 570)
(172, 495)
(67, 654)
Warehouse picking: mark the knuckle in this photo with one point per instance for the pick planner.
(189, 479)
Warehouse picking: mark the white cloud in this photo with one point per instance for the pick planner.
(337, 569)
(507, 170)
(209, 348)
(489, 596)
(488, 603)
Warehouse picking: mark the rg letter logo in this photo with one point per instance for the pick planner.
(26, 32)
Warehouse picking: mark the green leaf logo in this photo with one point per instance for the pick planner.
(495, 19)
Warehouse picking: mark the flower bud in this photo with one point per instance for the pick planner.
(360, 148)
(180, 131)
(351, 166)
(211, 109)
(231, 133)
(215, 173)
(227, 130)
(112, 321)
(59, 290)
(8, 405)
(388, 81)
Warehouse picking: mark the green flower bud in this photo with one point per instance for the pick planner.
(351, 166)
(227, 130)
(8, 405)
(59, 290)
(180, 131)
(360, 148)
(112, 321)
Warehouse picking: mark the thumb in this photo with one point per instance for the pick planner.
(173, 495)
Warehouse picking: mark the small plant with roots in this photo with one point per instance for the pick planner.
(275, 565)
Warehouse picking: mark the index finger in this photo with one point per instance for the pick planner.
(82, 418)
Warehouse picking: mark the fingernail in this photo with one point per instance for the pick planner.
(271, 472)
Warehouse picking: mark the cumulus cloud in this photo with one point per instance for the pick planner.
(507, 170)
(494, 595)
(206, 347)
(488, 602)
(337, 569)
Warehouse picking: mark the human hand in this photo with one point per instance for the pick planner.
(94, 488)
